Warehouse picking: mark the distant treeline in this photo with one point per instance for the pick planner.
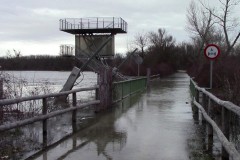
(50, 63)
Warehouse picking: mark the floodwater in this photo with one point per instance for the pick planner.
(155, 125)
(41, 82)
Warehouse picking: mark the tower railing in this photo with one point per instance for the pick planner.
(93, 23)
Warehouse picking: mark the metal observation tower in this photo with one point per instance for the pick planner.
(93, 34)
(94, 39)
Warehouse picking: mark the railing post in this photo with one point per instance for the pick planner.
(97, 22)
(209, 127)
(88, 24)
(74, 112)
(225, 129)
(195, 108)
(204, 104)
(113, 22)
(81, 24)
(97, 94)
(122, 91)
(74, 99)
(148, 76)
(44, 123)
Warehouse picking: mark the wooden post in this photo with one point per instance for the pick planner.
(148, 77)
(97, 90)
(74, 112)
(105, 88)
(204, 104)
(196, 110)
(122, 91)
(44, 123)
(209, 127)
(225, 129)
(74, 99)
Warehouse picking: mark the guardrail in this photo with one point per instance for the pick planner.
(123, 89)
(204, 102)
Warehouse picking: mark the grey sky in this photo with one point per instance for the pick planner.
(32, 27)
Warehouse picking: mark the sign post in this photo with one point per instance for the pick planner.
(211, 52)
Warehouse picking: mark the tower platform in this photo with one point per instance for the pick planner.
(95, 25)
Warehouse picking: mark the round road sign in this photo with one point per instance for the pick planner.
(211, 51)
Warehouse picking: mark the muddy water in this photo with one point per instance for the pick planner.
(155, 125)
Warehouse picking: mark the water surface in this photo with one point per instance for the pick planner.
(156, 125)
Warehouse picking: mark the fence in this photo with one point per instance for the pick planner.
(205, 101)
(126, 88)
(45, 115)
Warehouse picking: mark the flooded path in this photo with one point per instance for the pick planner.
(155, 125)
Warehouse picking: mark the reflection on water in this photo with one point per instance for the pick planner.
(95, 131)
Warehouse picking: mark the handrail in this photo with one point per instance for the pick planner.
(228, 146)
(44, 117)
(129, 80)
(229, 105)
(19, 100)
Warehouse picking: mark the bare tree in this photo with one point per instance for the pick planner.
(141, 41)
(200, 23)
(225, 18)
(161, 38)
(17, 53)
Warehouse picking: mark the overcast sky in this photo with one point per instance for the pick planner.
(32, 27)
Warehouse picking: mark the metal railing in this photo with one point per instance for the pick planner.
(126, 88)
(93, 23)
(205, 106)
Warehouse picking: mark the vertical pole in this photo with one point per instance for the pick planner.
(113, 22)
(97, 22)
(65, 24)
(196, 110)
(148, 76)
(103, 22)
(211, 73)
(121, 23)
(225, 129)
(97, 94)
(74, 23)
(209, 127)
(74, 112)
(88, 23)
(44, 123)
(81, 23)
(74, 99)
(105, 88)
(204, 104)
(138, 70)
(122, 90)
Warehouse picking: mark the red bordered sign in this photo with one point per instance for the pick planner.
(212, 51)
